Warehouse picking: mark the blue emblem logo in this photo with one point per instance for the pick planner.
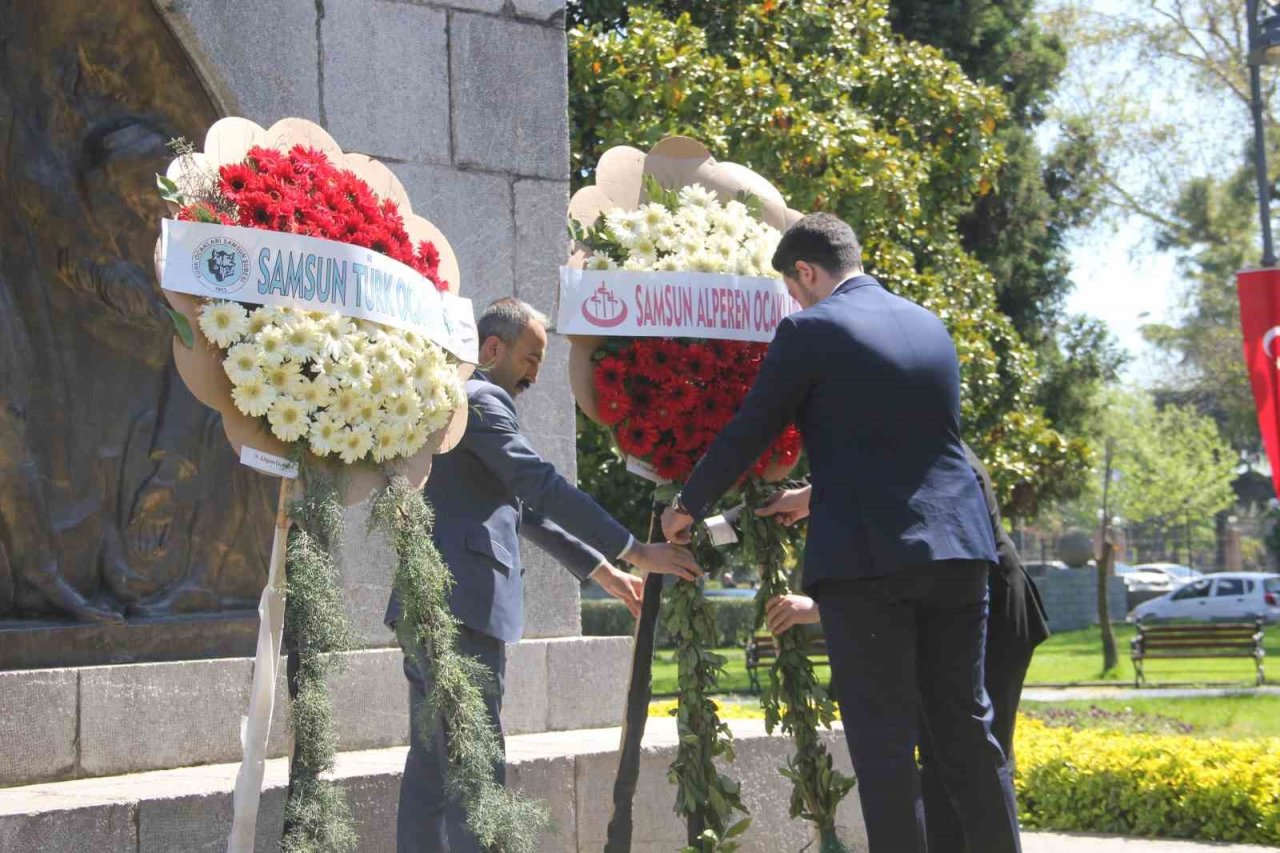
(221, 265)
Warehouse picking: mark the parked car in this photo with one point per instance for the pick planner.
(1178, 572)
(1226, 597)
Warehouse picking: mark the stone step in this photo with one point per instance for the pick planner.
(572, 772)
(61, 724)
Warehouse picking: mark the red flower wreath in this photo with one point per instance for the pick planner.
(302, 192)
(667, 400)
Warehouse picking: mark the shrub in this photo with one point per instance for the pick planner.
(735, 618)
(1175, 786)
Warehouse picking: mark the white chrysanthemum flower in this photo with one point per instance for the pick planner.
(261, 317)
(640, 261)
(667, 237)
(601, 262)
(397, 380)
(696, 195)
(223, 323)
(703, 261)
(351, 372)
(324, 434)
(669, 263)
(271, 344)
(403, 409)
(368, 412)
(281, 377)
(415, 437)
(241, 364)
(288, 419)
(253, 398)
(353, 443)
(303, 341)
(655, 216)
(313, 393)
(387, 441)
(624, 226)
(334, 330)
(346, 403)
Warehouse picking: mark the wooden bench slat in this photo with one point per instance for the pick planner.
(1214, 640)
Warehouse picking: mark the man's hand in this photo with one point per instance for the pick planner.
(625, 587)
(664, 558)
(676, 526)
(783, 612)
(787, 506)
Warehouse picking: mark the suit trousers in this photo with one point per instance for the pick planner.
(429, 819)
(907, 647)
(1005, 668)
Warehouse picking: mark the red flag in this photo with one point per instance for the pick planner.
(1260, 320)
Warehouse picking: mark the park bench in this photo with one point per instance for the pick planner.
(762, 650)
(1206, 640)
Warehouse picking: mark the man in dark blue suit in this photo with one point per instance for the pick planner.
(899, 542)
(489, 490)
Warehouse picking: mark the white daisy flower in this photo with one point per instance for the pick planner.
(601, 262)
(241, 364)
(288, 419)
(261, 317)
(346, 403)
(404, 409)
(223, 323)
(386, 442)
(253, 398)
(324, 434)
(281, 377)
(353, 443)
(303, 341)
(271, 344)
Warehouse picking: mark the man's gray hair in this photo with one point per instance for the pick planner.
(507, 318)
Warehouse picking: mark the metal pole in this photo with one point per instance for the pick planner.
(1259, 138)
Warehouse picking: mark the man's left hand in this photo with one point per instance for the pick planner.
(676, 526)
(625, 587)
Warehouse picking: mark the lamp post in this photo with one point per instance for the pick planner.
(1264, 36)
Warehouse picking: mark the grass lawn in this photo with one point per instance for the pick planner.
(1232, 717)
(1074, 656)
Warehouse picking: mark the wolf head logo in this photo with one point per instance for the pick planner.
(222, 264)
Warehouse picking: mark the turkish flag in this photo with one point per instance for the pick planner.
(1260, 320)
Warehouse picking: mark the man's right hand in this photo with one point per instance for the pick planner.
(787, 506)
(664, 558)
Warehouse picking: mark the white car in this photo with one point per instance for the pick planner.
(1178, 573)
(1226, 597)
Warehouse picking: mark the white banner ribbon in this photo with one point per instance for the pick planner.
(274, 268)
(671, 305)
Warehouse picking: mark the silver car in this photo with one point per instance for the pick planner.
(1226, 597)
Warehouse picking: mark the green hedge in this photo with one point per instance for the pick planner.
(609, 618)
(1175, 786)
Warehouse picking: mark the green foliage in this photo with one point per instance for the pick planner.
(706, 798)
(602, 473)
(843, 115)
(317, 817)
(502, 820)
(734, 618)
(1173, 465)
(792, 696)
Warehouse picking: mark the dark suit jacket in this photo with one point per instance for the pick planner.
(1017, 619)
(492, 487)
(873, 384)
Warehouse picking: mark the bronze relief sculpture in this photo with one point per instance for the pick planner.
(119, 495)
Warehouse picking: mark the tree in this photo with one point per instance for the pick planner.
(1173, 470)
(844, 115)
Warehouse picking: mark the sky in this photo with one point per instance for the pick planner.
(1118, 274)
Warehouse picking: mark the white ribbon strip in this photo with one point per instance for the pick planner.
(631, 304)
(273, 268)
(256, 726)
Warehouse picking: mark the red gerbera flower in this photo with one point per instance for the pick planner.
(613, 407)
(637, 438)
(610, 374)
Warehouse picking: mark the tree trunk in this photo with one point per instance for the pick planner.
(1106, 567)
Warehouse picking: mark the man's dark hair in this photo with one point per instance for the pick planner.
(507, 318)
(822, 240)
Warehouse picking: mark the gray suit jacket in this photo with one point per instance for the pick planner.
(490, 488)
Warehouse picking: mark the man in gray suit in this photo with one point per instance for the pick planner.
(492, 487)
